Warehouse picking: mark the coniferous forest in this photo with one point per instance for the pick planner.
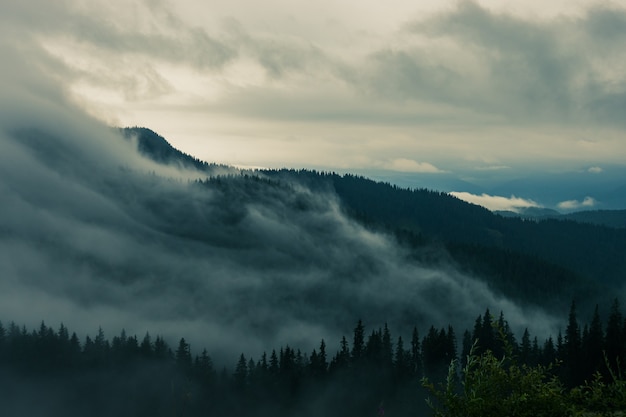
(255, 262)
(48, 371)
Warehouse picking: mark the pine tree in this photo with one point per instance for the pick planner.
(434, 352)
(342, 358)
(323, 361)
(594, 345)
(623, 350)
(450, 345)
(614, 341)
(358, 341)
(240, 376)
(487, 334)
(161, 350)
(145, 349)
(374, 347)
(387, 348)
(3, 342)
(252, 366)
(314, 364)
(525, 348)
(466, 347)
(549, 352)
(183, 356)
(131, 348)
(273, 369)
(402, 363)
(204, 368)
(560, 348)
(535, 352)
(573, 348)
(317, 363)
(416, 354)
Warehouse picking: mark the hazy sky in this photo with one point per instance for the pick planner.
(411, 86)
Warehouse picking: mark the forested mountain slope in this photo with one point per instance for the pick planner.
(96, 234)
(546, 262)
(591, 253)
(611, 218)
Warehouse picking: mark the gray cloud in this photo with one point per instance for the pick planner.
(115, 47)
(463, 75)
(546, 71)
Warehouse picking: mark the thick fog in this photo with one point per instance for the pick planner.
(93, 234)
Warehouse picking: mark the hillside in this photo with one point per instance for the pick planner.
(589, 258)
(547, 262)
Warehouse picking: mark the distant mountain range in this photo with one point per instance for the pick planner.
(605, 188)
(610, 218)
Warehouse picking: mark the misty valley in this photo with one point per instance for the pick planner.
(258, 292)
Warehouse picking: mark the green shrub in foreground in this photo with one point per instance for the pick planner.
(599, 398)
(491, 387)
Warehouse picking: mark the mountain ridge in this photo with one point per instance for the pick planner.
(587, 257)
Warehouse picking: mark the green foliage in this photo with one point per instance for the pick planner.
(495, 387)
(500, 387)
(601, 398)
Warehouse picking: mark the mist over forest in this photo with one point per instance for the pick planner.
(95, 234)
(109, 228)
(98, 232)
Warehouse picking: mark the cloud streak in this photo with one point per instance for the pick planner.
(587, 202)
(495, 202)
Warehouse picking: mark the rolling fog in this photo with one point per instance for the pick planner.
(92, 234)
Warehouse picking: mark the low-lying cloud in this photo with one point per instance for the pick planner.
(410, 165)
(495, 202)
(587, 202)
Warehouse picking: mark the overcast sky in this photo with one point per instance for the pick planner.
(417, 86)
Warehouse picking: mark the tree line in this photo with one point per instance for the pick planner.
(368, 371)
